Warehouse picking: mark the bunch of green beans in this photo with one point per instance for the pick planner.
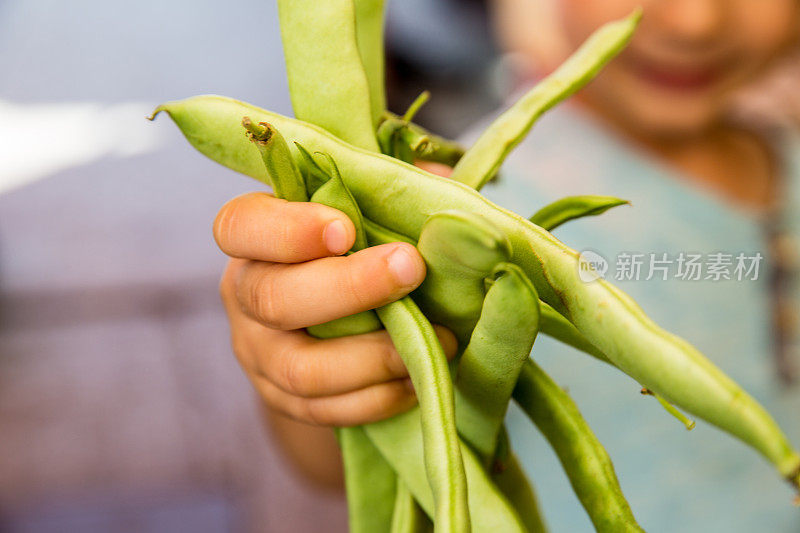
(494, 278)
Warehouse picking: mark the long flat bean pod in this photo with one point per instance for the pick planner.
(399, 440)
(418, 346)
(401, 197)
(320, 38)
(483, 159)
(369, 36)
(584, 459)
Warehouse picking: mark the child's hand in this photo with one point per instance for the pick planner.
(286, 274)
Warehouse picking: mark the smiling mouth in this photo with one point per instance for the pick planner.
(677, 78)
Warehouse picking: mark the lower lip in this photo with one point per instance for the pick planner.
(686, 81)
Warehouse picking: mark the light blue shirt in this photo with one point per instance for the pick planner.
(675, 480)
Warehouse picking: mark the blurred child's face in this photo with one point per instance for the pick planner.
(686, 59)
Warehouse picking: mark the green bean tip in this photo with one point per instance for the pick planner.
(257, 133)
(152, 116)
(794, 479)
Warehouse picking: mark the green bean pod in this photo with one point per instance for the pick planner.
(313, 175)
(553, 324)
(387, 135)
(460, 250)
(400, 441)
(484, 158)
(584, 459)
(401, 198)
(369, 481)
(282, 172)
(363, 322)
(396, 139)
(514, 484)
(419, 348)
(488, 369)
(440, 150)
(554, 214)
(407, 515)
(377, 234)
(369, 38)
(334, 194)
(320, 38)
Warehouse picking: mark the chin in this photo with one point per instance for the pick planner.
(671, 121)
(656, 115)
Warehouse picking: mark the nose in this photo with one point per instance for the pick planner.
(688, 20)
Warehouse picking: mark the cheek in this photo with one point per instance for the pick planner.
(765, 28)
(579, 18)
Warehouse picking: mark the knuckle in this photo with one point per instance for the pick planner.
(298, 376)
(264, 298)
(316, 413)
(352, 287)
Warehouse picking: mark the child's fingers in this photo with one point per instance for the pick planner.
(261, 227)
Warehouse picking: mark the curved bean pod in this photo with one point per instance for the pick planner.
(487, 371)
(484, 158)
(553, 215)
(460, 250)
(584, 459)
(401, 197)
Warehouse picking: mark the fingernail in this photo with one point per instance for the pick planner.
(403, 267)
(335, 237)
